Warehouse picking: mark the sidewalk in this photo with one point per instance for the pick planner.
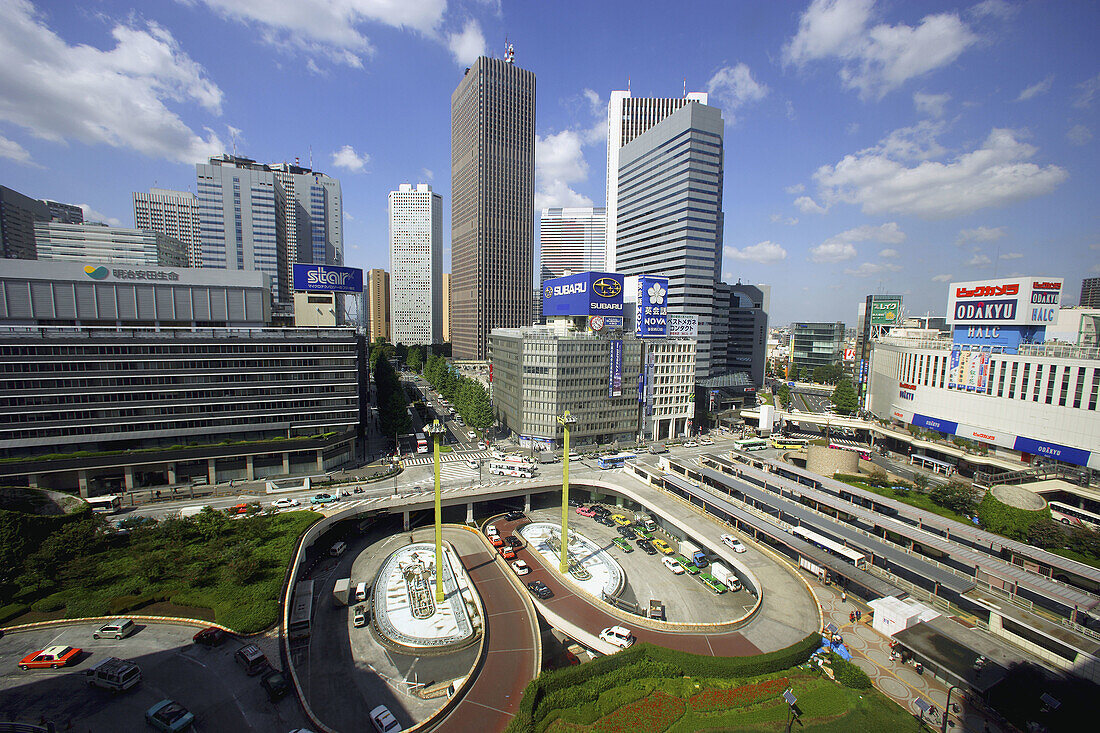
(898, 681)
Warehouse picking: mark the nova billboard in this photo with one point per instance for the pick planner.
(652, 314)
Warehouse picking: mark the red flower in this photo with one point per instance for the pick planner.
(651, 714)
(726, 699)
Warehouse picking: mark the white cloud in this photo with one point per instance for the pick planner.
(14, 151)
(833, 251)
(994, 8)
(980, 234)
(942, 278)
(1088, 88)
(979, 260)
(91, 215)
(867, 269)
(349, 160)
(912, 143)
(807, 205)
(795, 189)
(330, 29)
(1039, 87)
(735, 87)
(994, 175)
(780, 219)
(840, 247)
(765, 253)
(1012, 256)
(875, 59)
(889, 253)
(428, 174)
(117, 97)
(559, 163)
(1079, 135)
(348, 216)
(930, 104)
(851, 128)
(467, 44)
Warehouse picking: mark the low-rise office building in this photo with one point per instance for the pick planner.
(109, 245)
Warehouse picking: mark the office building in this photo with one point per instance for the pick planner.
(746, 329)
(1090, 293)
(571, 240)
(816, 344)
(446, 307)
(64, 213)
(161, 376)
(19, 214)
(876, 315)
(313, 217)
(669, 216)
(175, 213)
(627, 118)
(377, 297)
(416, 265)
(669, 392)
(100, 244)
(492, 205)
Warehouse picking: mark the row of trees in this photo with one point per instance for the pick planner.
(469, 397)
(393, 413)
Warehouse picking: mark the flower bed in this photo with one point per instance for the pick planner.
(651, 714)
(736, 697)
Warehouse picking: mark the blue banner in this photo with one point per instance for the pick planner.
(1076, 456)
(652, 315)
(942, 426)
(328, 279)
(583, 294)
(615, 376)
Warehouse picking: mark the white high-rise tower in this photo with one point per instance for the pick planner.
(416, 265)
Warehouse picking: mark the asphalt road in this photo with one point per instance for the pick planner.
(205, 680)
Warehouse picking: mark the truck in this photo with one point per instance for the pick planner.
(724, 575)
(341, 591)
(657, 610)
(646, 522)
(190, 511)
(693, 553)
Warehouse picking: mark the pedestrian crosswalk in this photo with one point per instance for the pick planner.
(426, 460)
(378, 502)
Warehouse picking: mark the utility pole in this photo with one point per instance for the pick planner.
(436, 431)
(566, 421)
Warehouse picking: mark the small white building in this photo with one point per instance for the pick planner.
(892, 615)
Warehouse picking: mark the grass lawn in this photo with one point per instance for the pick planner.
(686, 705)
(230, 570)
(911, 497)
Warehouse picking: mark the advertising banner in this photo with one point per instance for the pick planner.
(941, 426)
(1018, 301)
(683, 326)
(885, 312)
(615, 376)
(652, 314)
(328, 279)
(583, 294)
(1076, 456)
(953, 369)
(849, 354)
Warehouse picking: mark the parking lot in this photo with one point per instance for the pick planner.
(686, 599)
(205, 680)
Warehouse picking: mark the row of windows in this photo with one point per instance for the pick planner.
(103, 431)
(166, 411)
(99, 398)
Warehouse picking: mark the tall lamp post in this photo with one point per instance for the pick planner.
(566, 421)
(947, 708)
(436, 431)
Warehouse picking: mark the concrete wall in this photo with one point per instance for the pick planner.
(826, 461)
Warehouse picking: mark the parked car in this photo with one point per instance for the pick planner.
(51, 657)
(383, 720)
(275, 685)
(622, 544)
(673, 565)
(520, 567)
(491, 531)
(168, 715)
(507, 553)
(252, 660)
(116, 629)
(605, 521)
(210, 636)
(322, 499)
(513, 542)
(733, 543)
(285, 503)
(600, 510)
(237, 510)
(620, 520)
(662, 546)
(114, 674)
(647, 547)
(514, 516)
(497, 541)
(620, 636)
(540, 589)
(575, 503)
(627, 532)
(360, 617)
(585, 511)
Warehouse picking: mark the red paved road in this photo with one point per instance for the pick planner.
(577, 608)
(510, 638)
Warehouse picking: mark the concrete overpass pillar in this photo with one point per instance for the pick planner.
(286, 462)
(405, 521)
(128, 477)
(172, 473)
(469, 513)
(212, 471)
(249, 468)
(82, 481)
(320, 460)
(526, 502)
(32, 480)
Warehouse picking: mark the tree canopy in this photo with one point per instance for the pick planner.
(844, 397)
(469, 396)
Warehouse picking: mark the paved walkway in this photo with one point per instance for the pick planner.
(898, 681)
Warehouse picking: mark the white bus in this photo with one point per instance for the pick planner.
(750, 444)
(506, 468)
(301, 613)
(1067, 514)
(833, 548)
(105, 504)
(421, 443)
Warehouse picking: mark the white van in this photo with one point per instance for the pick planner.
(338, 549)
(113, 674)
(620, 636)
(361, 592)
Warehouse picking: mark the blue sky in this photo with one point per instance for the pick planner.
(870, 146)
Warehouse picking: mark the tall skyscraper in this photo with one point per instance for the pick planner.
(109, 245)
(627, 118)
(1090, 292)
(669, 220)
(64, 213)
(492, 202)
(18, 215)
(175, 213)
(571, 239)
(446, 307)
(416, 265)
(377, 298)
(314, 216)
(746, 337)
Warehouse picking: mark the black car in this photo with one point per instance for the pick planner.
(601, 511)
(540, 589)
(575, 503)
(514, 516)
(647, 546)
(275, 685)
(513, 542)
(212, 636)
(626, 532)
(605, 521)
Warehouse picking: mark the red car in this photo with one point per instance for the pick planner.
(210, 636)
(497, 541)
(585, 511)
(507, 553)
(52, 657)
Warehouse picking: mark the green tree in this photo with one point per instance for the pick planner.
(956, 496)
(783, 394)
(1046, 533)
(415, 359)
(844, 397)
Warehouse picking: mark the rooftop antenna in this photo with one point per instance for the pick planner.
(628, 83)
(509, 52)
(685, 87)
(311, 157)
(233, 139)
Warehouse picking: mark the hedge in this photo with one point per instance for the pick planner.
(584, 683)
(848, 674)
(1006, 520)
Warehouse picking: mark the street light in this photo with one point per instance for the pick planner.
(566, 421)
(436, 431)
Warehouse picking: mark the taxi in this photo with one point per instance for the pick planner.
(51, 657)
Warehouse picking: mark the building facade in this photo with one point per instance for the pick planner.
(745, 333)
(627, 118)
(416, 265)
(19, 214)
(492, 204)
(669, 392)
(174, 213)
(571, 240)
(64, 213)
(446, 307)
(669, 216)
(1090, 293)
(377, 296)
(816, 344)
(313, 217)
(96, 243)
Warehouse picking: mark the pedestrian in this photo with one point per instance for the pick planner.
(859, 614)
(852, 617)
(843, 596)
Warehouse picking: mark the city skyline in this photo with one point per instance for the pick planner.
(948, 141)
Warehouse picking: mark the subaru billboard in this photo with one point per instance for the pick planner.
(583, 294)
(328, 278)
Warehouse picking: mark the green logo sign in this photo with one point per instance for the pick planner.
(96, 273)
(885, 312)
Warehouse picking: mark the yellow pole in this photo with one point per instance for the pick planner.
(565, 501)
(436, 433)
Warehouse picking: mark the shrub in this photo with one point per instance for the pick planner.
(651, 714)
(848, 674)
(737, 697)
(122, 604)
(1007, 520)
(12, 610)
(52, 602)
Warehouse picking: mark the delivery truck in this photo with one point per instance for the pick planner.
(693, 553)
(724, 575)
(341, 591)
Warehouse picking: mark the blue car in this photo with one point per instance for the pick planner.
(322, 499)
(169, 716)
